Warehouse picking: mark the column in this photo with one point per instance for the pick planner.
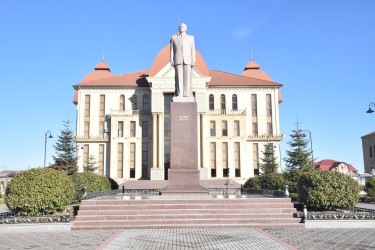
(160, 141)
(154, 140)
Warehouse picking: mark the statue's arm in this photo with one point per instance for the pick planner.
(193, 53)
(171, 54)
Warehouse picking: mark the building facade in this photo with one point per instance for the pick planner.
(368, 146)
(123, 121)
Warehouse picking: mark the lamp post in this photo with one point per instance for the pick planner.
(369, 108)
(45, 144)
(311, 148)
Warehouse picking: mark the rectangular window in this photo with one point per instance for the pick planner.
(269, 114)
(236, 131)
(101, 160)
(120, 158)
(120, 129)
(212, 128)
(256, 158)
(101, 115)
(370, 152)
(225, 158)
(144, 128)
(225, 128)
(132, 160)
(85, 154)
(237, 159)
(213, 158)
(87, 116)
(254, 112)
(122, 102)
(144, 160)
(132, 129)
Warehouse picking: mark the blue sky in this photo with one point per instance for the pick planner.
(322, 51)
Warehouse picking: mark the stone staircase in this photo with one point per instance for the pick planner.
(177, 213)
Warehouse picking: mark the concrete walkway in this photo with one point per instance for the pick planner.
(194, 239)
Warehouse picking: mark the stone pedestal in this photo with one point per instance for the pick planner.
(184, 176)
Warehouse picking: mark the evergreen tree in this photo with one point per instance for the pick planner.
(90, 166)
(299, 157)
(65, 150)
(269, 163)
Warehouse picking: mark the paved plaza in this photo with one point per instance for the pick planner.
(194, 239)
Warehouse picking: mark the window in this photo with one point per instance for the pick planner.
(87, 116)
(269, 114)
(145, 102)
(213, 158)
(211, 102)
(85, 154)
(122, 102)
(255, 158)
(144, 128)
(254, 112)
(370, 152)
(101, 160)
(120, 157)
(144, 160)
(236, 131)
(225, 128)
(132, 129)
(212, 128)
(120, 129)
(134, 102)
(222, 102)
(132, 160)
(225, 158)
(237, 159)
(101, 115)
(234, 102)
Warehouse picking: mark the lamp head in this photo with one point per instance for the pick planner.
(370, 111)
(50, 136)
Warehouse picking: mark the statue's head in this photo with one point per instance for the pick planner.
(183, 27)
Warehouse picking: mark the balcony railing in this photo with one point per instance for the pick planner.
(227, 112)
(130, 112)
(90, 138)
(266, 137)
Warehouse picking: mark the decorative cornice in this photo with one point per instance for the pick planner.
(90, 138)
(227, 112)
(129, 112)
(266, 137)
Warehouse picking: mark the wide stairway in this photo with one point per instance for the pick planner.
(189, 212)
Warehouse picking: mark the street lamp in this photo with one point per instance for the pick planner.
(311, 148)
(45, 144)
(369, 108)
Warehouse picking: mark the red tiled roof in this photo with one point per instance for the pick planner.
(373, 133)
(220, 78)
(75, 97)
(327, 164)
(134, 79)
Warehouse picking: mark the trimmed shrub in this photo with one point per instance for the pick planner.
(92, 182)
(39, 191)
(253, 182)
(291, 179)
(328, 190)
(370, 187)
(272, 181)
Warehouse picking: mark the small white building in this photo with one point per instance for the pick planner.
(124, 120)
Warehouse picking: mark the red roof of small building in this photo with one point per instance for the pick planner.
(370, 134)
(252, 69)
(328, 164)
(101, 71)
(220, 78)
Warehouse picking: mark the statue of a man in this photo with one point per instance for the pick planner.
(183, 59)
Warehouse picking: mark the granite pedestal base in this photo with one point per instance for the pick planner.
(184, 176)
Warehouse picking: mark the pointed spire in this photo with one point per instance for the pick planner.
(251, 54)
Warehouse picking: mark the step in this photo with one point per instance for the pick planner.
(185, 211)
(180, 216)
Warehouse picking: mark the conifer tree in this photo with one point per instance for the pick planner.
(299, 156)
(90, 166)
(65, 150)
(269, 163)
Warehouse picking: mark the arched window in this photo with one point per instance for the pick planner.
(134, 102)
(122, 102)
(222, 102)
(211, 102)
(234, 102)
(145, 102)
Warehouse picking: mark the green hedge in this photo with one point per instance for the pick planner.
(370, 187)
(268, 181)
(39, 191)
(92, 182)
(328, 190)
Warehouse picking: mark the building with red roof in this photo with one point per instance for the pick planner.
(124, 120)
(332, 165)
(368, 146)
